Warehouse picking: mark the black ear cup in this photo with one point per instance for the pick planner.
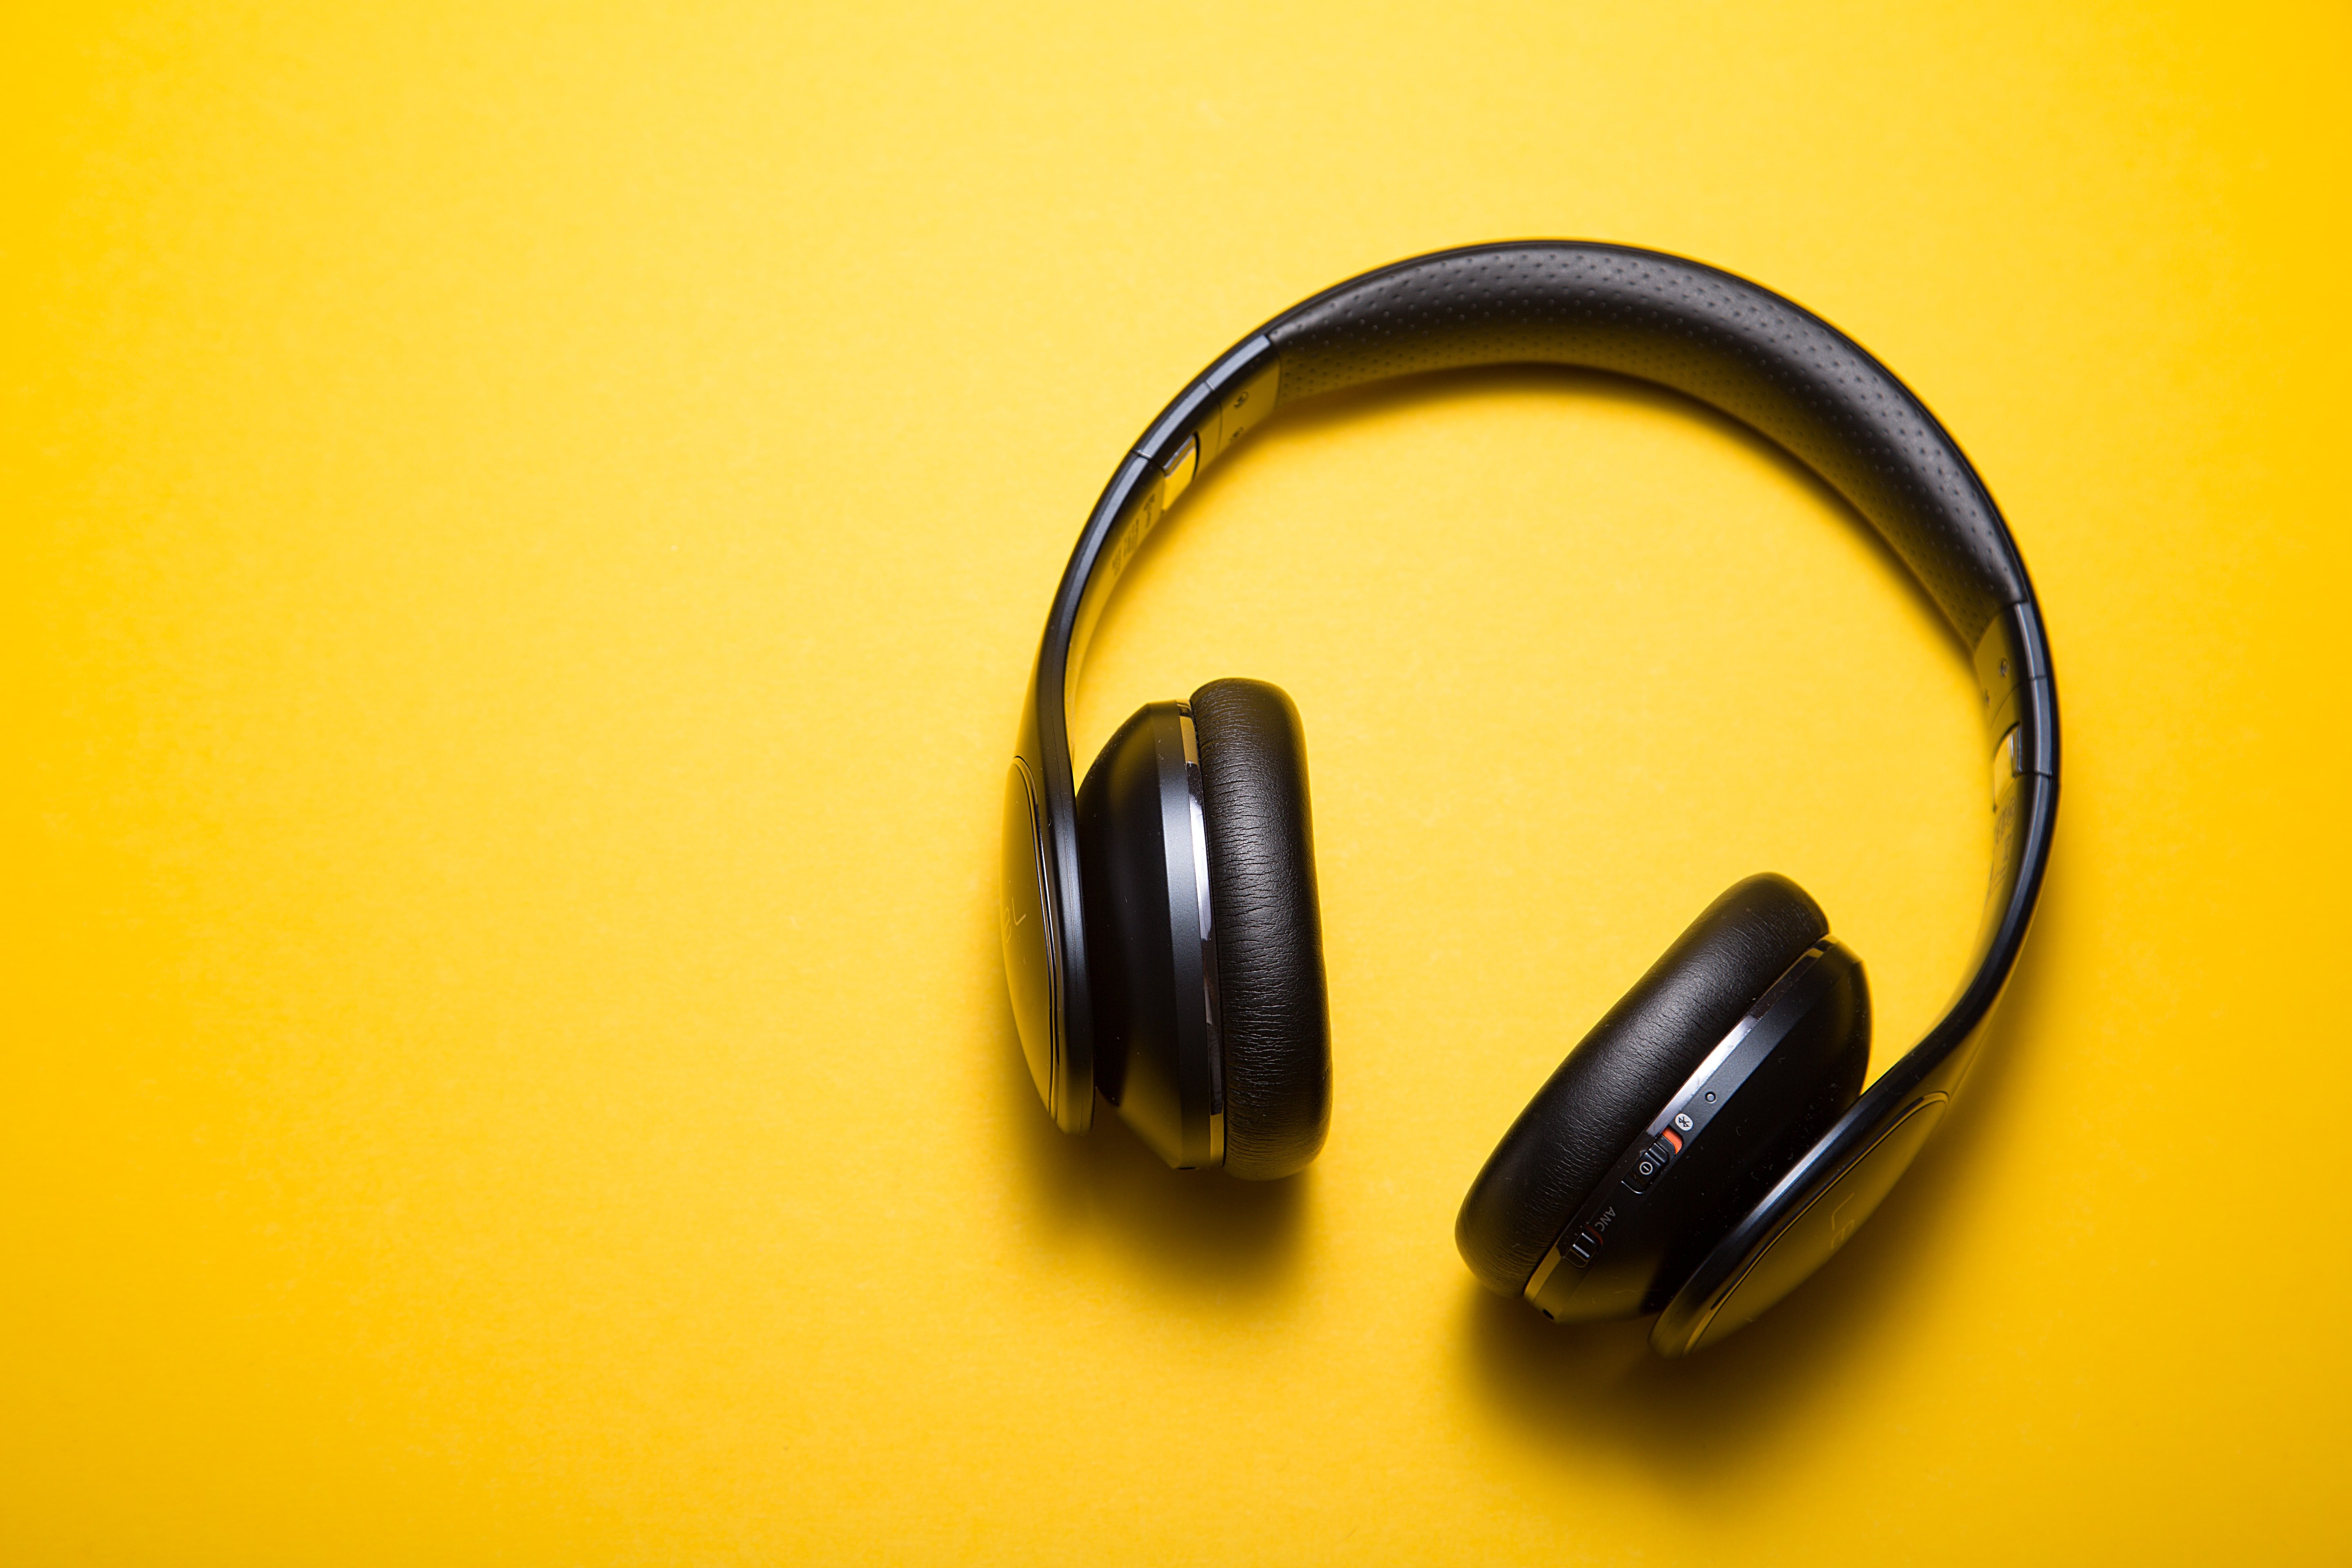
(1623, 1072)
(1194, 840)
(1140, 847)
(1273, 1021)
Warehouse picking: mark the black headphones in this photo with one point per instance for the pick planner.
(1709, 1143)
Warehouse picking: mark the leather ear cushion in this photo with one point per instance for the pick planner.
(1268, 932)
(1622, 1074)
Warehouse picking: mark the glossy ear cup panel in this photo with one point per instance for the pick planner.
(1272, 1016)
(1786, 1071)
(1137, 842)
(1623, 1072)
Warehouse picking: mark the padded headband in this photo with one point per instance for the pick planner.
(1707, 335)
(1711, 336)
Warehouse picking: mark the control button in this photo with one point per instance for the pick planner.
(1682, 1122)
(1578, 1254)
(1648, 1163)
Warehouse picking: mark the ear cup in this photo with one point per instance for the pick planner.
(1622, 1073)
(1272, 1018)
(1140, 855)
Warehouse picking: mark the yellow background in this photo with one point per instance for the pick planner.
(524, 533)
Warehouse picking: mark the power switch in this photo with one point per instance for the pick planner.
(1648, 1163)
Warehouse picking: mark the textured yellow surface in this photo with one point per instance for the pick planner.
(524, 531)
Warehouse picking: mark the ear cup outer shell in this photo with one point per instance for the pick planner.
(1137, 850)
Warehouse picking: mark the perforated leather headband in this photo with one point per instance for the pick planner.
(1706, 334)
(1714, 337)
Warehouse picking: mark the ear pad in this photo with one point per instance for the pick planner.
(1620, 1074)
(1272, 1017)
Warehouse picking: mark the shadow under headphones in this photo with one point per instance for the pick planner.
(1710, 1143)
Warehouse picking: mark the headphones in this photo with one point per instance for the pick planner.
(1710, 1143)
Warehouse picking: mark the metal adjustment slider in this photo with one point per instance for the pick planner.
(2006, 765)
(1176, 474)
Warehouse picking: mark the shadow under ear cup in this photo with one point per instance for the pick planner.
(1272, 1017)
(1622, 1073)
